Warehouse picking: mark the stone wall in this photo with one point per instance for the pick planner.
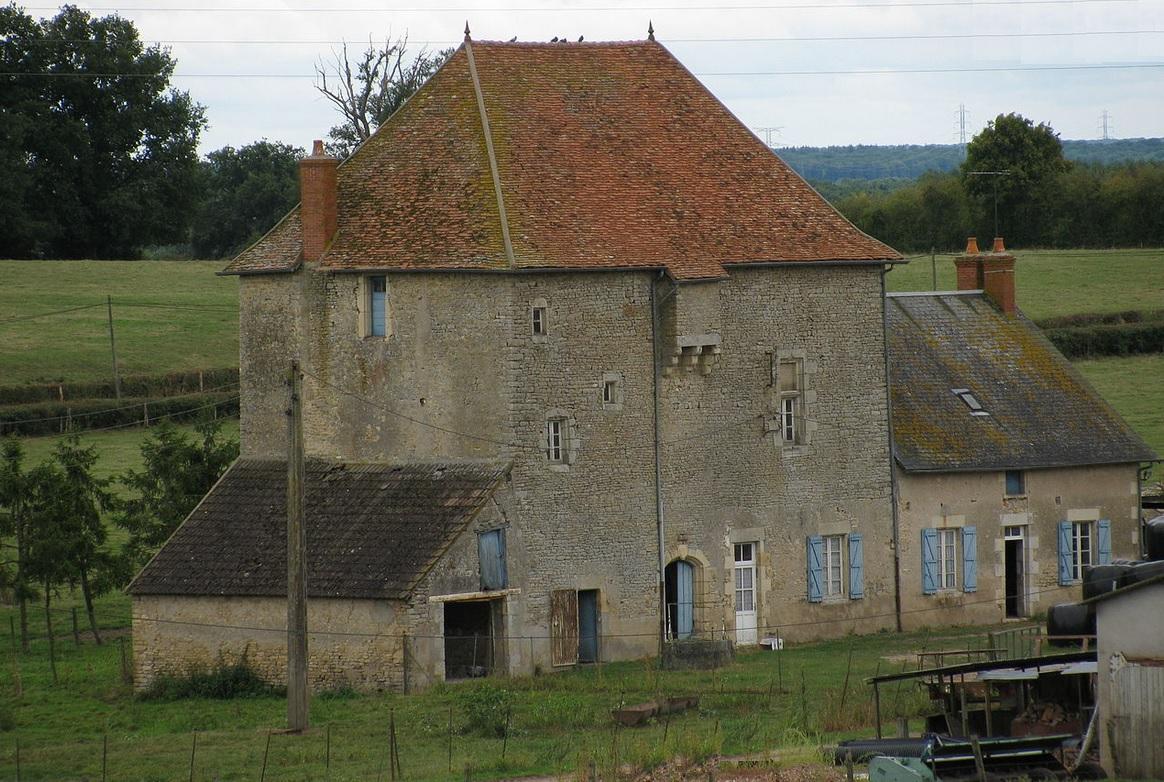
(979, 500)
(461, 356)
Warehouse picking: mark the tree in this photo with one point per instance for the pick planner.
(245, 191)
(177, 474)
(1033, 158)
(15, 519)
(368, 92)
(99, 153)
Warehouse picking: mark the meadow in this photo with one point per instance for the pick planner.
(167, 316)
(793, 701)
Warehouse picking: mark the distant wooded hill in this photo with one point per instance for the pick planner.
(908, 161)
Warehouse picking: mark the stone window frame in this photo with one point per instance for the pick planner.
(539, 320)
(613, 381)
(570, 441)
(364, 307)
(806, 370)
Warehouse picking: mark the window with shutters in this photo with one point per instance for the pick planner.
(949, 559)
(1082, 543)
(375, 320)
(491, 556)
(836, 567)
(560, 440)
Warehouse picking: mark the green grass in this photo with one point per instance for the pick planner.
(559, 722)
(1133, 385)
(119, 449)
(1061, 282)
(167, 316)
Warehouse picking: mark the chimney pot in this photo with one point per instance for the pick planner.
(971, 245)
(998, 248)
(317, 201)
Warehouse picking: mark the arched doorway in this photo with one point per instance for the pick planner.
(679, 593)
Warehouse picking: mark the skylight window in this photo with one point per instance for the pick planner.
(970, 400)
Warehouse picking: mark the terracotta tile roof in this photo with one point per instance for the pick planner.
(1042, 413)
(610, 155)
(278, 251)
(372, 529)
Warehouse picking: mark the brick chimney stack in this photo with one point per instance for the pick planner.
(317, 197)
(992, 273)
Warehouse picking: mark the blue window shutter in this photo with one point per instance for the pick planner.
(815, 568)
(1103, 531)
(929, 560)
(969, 559)
(856, 566)
(491, 555)
(1065, 558)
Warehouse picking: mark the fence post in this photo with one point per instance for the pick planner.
(193, 749)
(266, 752)
(451, 743)
(105, 757)
(76, 633)
(126, 677)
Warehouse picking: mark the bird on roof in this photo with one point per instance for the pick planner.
(514, 38)
(580, 39)
(554, 39)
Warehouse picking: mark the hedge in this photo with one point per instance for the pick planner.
(170, 384)
(60, 417)
(1111, 318)
(1109, 340)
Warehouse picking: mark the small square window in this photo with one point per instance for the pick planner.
(538, 321)
(1016, 485)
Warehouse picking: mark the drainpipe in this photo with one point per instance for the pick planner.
(893, 487)
(1142, 472)
(658, 466)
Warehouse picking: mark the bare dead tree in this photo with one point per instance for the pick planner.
(369, 89)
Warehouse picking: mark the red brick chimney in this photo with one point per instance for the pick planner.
(969, 267)
(992, 272)
(317, 209)
(998, 276)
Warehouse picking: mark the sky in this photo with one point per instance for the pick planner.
(817, 72)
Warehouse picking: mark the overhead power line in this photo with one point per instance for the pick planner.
(746, 39)
(707, 74)
(595, 8)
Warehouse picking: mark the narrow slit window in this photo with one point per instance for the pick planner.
(538, 321)
(788, 380)
(556, 440)
(377, 306)
(608, 391)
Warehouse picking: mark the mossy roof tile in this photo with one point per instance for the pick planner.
(610, 156)
(1041, 412)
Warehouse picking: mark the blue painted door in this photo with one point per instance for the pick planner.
(588, 625)
(684, 599)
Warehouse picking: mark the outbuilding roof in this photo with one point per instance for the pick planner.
(373, 530)
(609, 156)
(975, 389)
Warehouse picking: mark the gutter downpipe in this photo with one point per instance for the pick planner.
(893, 487)
(658, 467)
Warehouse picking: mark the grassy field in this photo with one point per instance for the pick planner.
(558, 722)
(1061, 282)
(167, 315)
(1134, 385)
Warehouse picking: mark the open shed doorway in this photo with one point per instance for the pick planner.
(471, 632)
(1015, 572)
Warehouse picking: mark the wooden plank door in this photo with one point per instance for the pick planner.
(563, 627)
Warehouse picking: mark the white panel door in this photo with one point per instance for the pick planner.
(745, 575)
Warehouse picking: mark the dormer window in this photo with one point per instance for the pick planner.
(970, 400)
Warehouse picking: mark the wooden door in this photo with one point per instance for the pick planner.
(563, 627)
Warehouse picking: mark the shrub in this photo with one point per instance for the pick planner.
(486, 707)
(1109, 339)
(223, 682)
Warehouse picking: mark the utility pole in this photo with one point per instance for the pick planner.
(1105, 125)
(995, 175)
(767, 132)
(962, 127)
(297, 695)
(113, 349)
(934, 265)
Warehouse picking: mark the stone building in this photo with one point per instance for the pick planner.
(1012, 472)
(650, 355)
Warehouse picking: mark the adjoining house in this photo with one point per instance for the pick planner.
(573, 260)
(1130, 644)
(1013, 473)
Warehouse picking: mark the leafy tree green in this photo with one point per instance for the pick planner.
(98, 152)
(177, 473)
(371, 89)
(244, 192)
(15, 518)
(1032, 157)
(67, 538)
